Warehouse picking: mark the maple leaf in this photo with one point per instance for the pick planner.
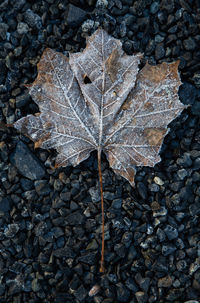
(99, 100)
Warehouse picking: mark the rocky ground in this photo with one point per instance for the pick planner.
(50, 219)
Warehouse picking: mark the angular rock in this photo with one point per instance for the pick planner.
(3, 30)
(165, 281)
(187, 93)
(75, 15)
(80, 293)
(171, 232)
(11, 230)
(5, 204)
(89, 258)
(32, 19)
(75, 218)
(65, 252)
(26, 162)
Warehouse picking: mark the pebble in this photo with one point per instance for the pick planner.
(3, 30)
(165, 281)
(11, 230)
(22, 28)
(32, 19)
(171, 232)
(75, 15)
(26, 162)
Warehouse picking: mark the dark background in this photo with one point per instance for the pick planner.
(50, 219)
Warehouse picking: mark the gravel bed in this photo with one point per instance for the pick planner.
(50, 219)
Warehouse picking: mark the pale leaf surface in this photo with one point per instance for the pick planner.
(98, 99)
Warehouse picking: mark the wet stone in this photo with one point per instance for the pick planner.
(185, 161)
(161, 235)
(5, 204)
(171, 232)
(187, 93)
(75, 218)
(182, 173)
(89, 258)
(189, 44)
(142, 190)
(42, 187)
(168, 250)
(154, 8)
(65, 252)
(75, 15)
(123, 293)
(3, 30)
(159, 51)
(117, 203)
(22, 28)
(26, 162)
(80, 293)
(11, 230)
(32, 19)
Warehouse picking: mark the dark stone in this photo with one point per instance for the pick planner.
(189, 44)
(75, 15)
(142, 190)
(18, 4)
(26, 184)
(181, 265)
(187, 93)
(75, 218)
(22, 100)
(26, 162)
(80, 293)
(11, 230)
(173, 29)
(154, 8)
(22, 28)
(32, 19)
(194, 209)
(117, 203)
(130, 284)
(42, 187)
(89, 258)
(154, 187)
(171, 232)
(159, 51)
(2, 289)
(65, 252)
(174, 294)
(161, 235)
(168, 249)
(185, 160)
(197, 162)
(123, 293)
(144, 284)
(5, 204)
(182, 173)
(3, 30)
(120, 249)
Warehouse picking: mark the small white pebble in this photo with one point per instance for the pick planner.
(158, 181)
(94, 290)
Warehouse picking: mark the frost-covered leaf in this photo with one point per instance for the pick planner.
(99, 100)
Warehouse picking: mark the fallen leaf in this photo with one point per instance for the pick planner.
(99, 100)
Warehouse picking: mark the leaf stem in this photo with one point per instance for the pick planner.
(102, 268)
